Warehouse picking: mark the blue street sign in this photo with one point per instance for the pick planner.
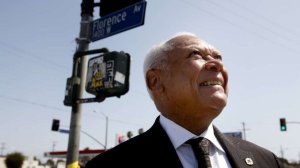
(119, 21)
(64, 131)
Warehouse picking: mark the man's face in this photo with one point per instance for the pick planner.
(196, 81)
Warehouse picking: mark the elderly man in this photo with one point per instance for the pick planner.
(188, 84)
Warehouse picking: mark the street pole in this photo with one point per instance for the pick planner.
(79, 77)
(53, 146)
(282, 155)
(106, 130)
(281, 152)
(2, 148)
(244, 130)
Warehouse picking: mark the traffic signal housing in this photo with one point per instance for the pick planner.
(109, 6)
(55, 125)
(282, 124)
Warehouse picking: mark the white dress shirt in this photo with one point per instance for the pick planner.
(179, 135)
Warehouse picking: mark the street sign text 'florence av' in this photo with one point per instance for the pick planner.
(119, 21)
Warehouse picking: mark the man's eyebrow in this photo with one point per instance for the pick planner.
(195, 47)
(218, 56)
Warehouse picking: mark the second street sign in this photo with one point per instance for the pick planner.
(119, 21)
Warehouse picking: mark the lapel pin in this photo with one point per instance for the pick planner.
(249, 161)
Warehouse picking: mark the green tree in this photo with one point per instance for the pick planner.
(14, 160)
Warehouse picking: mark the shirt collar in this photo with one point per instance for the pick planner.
(179, 135)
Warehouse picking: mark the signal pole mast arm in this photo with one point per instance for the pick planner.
(293, 122)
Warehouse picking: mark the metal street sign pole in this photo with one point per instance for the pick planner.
(79, 76)
(109, 25)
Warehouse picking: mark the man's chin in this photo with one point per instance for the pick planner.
(219, 103)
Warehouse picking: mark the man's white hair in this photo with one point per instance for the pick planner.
(157, 56)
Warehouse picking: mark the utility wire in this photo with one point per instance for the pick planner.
(264, 27)
(32, 103)
(275, 24)
(59, 109)
(31, 56)
(277, 43)
(12, 76)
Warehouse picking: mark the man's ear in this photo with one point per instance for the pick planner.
(153, 80)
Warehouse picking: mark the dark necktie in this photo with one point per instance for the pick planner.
(200, 147)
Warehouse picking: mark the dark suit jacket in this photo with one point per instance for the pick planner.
(154, 149)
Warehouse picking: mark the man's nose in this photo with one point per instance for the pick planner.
(214, 65)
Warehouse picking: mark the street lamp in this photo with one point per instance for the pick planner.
(106, 128)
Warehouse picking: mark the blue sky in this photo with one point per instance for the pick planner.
(259, 41)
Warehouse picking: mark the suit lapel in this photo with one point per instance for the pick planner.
(238, 158)
(165, 151)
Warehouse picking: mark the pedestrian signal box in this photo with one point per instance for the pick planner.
(108, 74)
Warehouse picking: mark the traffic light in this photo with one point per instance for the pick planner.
(55, 125)
(109, 6)
(87, 7)
(282, 124)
